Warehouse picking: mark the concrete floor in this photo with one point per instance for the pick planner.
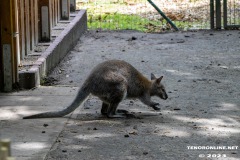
(201, 74)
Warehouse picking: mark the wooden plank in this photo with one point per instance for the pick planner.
(22, 29)
(55, 12)
(58, 11)
(45, 20)
(27, 27)
(31, 19)
(15, 46)
(53, 15)
(65, 9)
(36, 22)
(1, 55)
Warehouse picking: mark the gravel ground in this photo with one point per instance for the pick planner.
(201, 74)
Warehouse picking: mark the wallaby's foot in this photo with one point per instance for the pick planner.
(122, 111)
(126, 113)
(116, 116)
(154, 106)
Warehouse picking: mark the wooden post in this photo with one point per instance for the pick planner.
(21, 29)
(5, 150)
(72, 5)
(27, 27)
(9, 41)
(56, 12)
(1, 55)
(65, 9)
(3, 153)
(212, 22)
(36, 21)
(225, 13)
(218, 15)
(6, 143)
(32, 25)
(15, 36)
(6, 43)
(45, 20)
(59, 11)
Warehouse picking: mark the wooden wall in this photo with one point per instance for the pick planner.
(22, 23)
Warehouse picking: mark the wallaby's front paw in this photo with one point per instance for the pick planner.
(154, 106)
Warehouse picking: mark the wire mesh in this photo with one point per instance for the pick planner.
(233, 12)
(140, 15)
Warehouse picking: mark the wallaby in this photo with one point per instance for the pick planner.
(113, 81)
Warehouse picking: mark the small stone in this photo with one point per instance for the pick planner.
(45, 125)
(177, 109)
(43, 131)
(126, 135)
(145, 153)
(64, 151)
(134, 38)
(135, 127)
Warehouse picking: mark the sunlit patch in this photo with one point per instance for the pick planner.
(236, 67)
(8, 114)
(77, 147)
(93, 136)
(30, 146)
(11, 113)
(221, 126)
(172, 132)
(229, 106)
(179, 73)
(29, 98)
(183, 118)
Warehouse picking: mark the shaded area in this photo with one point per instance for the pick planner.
(201, 74)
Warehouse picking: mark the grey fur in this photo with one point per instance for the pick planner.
(113, 81)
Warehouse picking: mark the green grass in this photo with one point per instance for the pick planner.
(112, 15)
(118, 21)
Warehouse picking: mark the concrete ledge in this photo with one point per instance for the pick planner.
(55, 52)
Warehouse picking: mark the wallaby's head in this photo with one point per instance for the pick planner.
(157, 87)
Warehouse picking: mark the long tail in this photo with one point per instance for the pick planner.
(81, 96)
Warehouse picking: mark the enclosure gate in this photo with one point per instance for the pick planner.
(230, 13)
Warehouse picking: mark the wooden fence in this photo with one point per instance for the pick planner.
(23, 24)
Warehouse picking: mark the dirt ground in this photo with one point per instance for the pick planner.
(201, 73)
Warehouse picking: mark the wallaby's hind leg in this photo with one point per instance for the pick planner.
(104, 109)
(112, 112)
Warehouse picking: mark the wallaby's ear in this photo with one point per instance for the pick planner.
(159, 79)
(153, 76)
